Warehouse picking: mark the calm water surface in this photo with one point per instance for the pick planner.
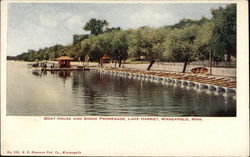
(88, 93)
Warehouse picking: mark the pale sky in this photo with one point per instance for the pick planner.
(39, 25)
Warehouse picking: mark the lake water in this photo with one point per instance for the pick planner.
(89, 93)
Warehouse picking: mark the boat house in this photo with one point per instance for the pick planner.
(104, 59)
(64, 61)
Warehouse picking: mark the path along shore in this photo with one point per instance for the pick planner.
(169, 66)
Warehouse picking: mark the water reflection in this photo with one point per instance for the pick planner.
(110, 94)
(39, 73)
(63, 74)
(97, 94)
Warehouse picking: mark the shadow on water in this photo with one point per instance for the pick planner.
(61, 74)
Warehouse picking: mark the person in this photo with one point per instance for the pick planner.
(101, 62)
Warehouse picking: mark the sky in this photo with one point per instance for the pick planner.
(39, 25)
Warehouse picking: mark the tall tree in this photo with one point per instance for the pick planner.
(96, 26)
(204, 40)
(78, 38)
(86, 48)
(224, 32)
(147, 42)
(95, 47)
(182, 45)
(120, 46)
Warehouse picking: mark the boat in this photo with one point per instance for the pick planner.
(199, 70)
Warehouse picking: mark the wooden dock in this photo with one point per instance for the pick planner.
(61, 69)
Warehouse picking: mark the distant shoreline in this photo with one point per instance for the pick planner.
(159, 66)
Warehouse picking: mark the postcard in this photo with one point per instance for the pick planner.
(124, 78)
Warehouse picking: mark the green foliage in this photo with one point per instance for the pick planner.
(78, 38)
(224, 32)
(189, 40)
(113, 29)
(100, 45)
(113, 44)
(96, 26)
(204, 39)
(74, 51)
(188, 22)
(135, 44)
(182, 45)
(86, 46)
(119, 46)
(147, 42)
(42, 54)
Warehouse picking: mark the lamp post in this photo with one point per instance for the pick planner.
(225, 57)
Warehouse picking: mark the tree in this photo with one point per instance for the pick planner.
(86, 47)
(147, 42)
(182, 45)
(74, 51)
(114, 44)
(188, 22)
(78, 38)
(185, 41)
(96, 26)
(204, 40)
(55, 51)
(119, 46)
(95, 46)
(135, 42)
(113, 29)
(224, 32)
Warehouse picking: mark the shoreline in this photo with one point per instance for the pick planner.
(211, 82)
(201, 81)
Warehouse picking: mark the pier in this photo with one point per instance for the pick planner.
(61, 69)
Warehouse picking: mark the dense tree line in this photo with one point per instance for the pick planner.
(187, 41)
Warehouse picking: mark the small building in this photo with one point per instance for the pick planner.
(64, 61)
(104, 59)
